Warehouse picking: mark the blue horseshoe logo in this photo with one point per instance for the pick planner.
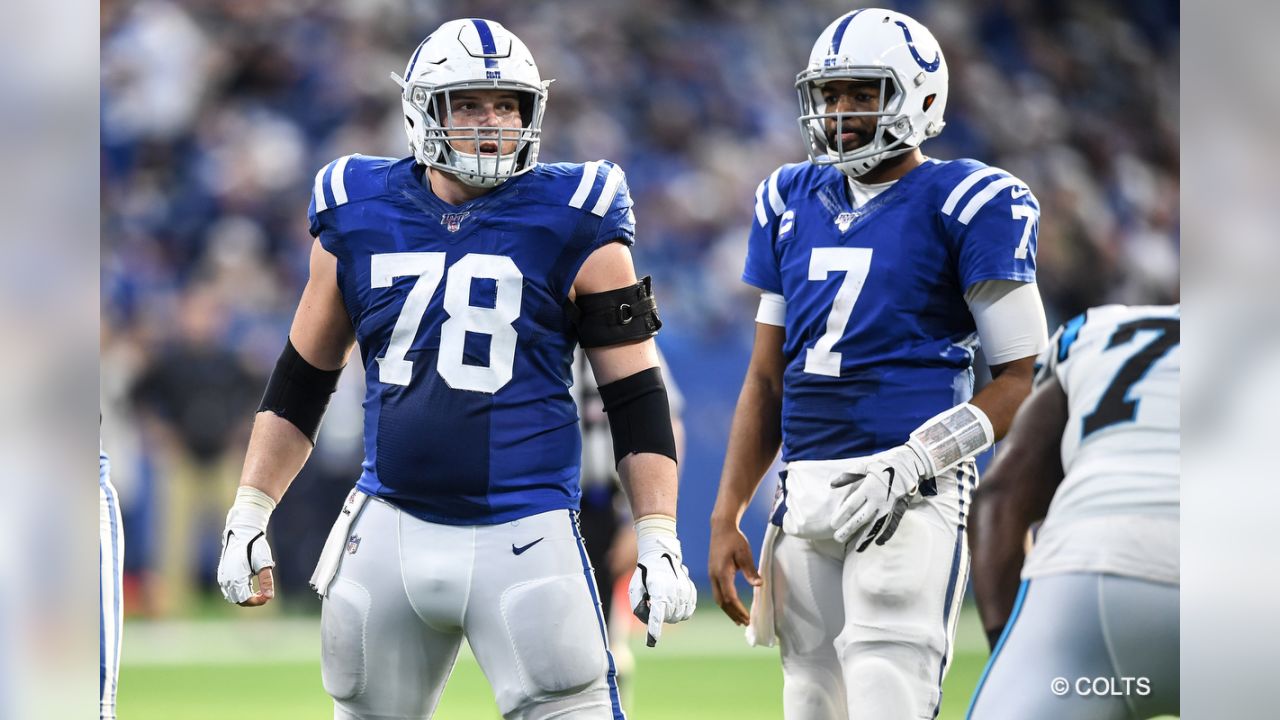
(928, 66)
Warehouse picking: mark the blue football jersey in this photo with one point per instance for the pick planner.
(460, 314)
(878, 335)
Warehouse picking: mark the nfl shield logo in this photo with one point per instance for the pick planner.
(353, 544)
(845, 219)
(453, 221)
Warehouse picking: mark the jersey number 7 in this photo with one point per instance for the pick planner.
(1114, 405)
(496, 321)
(854, 263)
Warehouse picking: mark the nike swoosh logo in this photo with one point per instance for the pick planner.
(522, 548)
(889, 491)
(1019, 192)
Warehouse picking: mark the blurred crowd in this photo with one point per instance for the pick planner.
(216, 114)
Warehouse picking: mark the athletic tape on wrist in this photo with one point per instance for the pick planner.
(952, 436)
(655, 524)
(253, 507)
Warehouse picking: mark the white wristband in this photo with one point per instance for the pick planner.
(252, 507)
(949, 437)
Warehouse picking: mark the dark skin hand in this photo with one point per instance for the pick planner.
(1014, 493)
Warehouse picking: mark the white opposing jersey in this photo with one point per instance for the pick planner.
(1116, 510)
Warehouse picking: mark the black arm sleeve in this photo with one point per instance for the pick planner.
(299, 391)
(639, 415)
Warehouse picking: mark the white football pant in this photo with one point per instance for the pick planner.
(869, 635)
(110, 570)
(408, 591)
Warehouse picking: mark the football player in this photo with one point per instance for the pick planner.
(110, 578)
(881, 271)
(468, 273)
(1096, 447)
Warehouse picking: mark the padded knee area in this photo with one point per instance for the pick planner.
(591, 704)
(810, 692)
(343, 623)
(555, 633)
(889, 680)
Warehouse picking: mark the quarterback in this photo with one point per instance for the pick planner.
(468, 274)
(881, 272)
(1096, 447)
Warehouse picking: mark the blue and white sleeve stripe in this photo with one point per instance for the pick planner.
(993, 181)
(605, 191)
(767, 192)
(330, 189)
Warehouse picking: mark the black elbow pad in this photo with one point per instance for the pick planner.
(616, 316)
(639, 415)
(299, 391)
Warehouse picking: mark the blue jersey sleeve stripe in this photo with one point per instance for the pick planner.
(965, 186)
(317, 191)
(775, 198)
(612, 182)
(589, 172)
(338, 181)
(326, 187)
(986, 195)
(761, 217)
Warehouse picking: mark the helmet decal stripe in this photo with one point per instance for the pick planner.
(486, 42)
(930, 66)
(414, 60)
(838, 36)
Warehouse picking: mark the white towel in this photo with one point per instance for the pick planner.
(760, 630)
(336, 543)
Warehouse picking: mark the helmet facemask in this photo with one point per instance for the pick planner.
(434, 135)
(892, 125)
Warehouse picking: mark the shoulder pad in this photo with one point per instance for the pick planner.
(771, 195)
(970, 185)
(597, 185)
(351, 177)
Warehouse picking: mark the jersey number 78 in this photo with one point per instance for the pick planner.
(496, 321)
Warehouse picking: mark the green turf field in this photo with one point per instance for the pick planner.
(268, 667)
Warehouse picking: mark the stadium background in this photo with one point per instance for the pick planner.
(216, 114)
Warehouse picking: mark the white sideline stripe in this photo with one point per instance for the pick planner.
(339, 182)
(954, 198)
(775, 199)
(984, 197)
(589, 172)
(760, 216)
(318, 190)
(611, 184)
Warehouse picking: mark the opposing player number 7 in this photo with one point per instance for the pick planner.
(854, 263)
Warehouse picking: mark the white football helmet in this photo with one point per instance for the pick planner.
(471, 54)
(878, 45)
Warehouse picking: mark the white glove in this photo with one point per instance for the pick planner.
(881, 488)
(245, 552)
(883, 484)
(660, 590)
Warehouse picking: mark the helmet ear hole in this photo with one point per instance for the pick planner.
(928, 101)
